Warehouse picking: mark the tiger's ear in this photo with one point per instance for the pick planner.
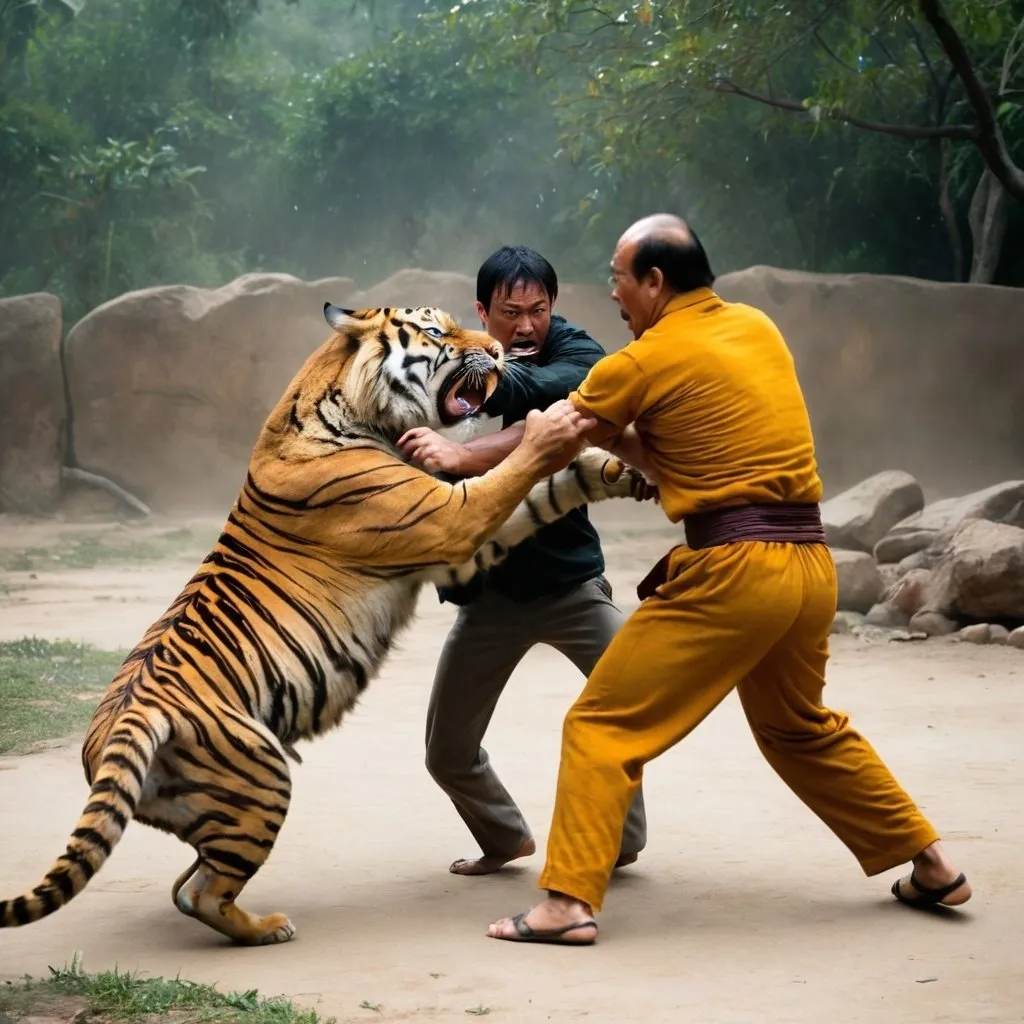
(339, 318)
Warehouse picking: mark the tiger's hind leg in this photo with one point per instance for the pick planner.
(209, 895)
(233, 831)
(231, 816)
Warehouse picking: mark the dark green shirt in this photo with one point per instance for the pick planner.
(567, 552)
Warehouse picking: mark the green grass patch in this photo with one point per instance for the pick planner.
(87, 550)
(72, 994)
(49, 690)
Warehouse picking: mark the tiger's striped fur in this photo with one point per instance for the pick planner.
(291, 614)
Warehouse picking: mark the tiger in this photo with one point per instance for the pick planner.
(292, 613)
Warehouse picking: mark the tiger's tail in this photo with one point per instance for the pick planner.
(133, 740)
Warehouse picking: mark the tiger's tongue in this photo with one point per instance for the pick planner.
(459, 406)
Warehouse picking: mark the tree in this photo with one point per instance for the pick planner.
(958, 106)
(897, 69)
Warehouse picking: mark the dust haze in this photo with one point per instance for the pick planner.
(184, 183)
(190, 143)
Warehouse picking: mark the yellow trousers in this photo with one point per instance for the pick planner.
(752, 615)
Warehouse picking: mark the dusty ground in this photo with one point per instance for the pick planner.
(743, 908)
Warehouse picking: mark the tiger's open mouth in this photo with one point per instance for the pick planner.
(464, 397)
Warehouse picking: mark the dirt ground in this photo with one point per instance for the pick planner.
(743, 908)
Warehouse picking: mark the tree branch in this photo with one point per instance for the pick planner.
(1014, 49)
(988, 136)
(819, 39)
(809, 31)
(915, 132)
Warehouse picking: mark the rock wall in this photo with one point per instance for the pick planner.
(170, 386)
(900, 372)
(31, 403)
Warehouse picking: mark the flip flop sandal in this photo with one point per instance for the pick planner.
(927, 897)
(556, 936)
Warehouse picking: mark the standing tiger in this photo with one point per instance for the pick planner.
(292, 613)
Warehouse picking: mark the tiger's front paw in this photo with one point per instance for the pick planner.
(605, 476)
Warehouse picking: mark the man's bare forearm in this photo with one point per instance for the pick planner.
(484, 453)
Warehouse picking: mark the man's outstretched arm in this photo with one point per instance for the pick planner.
(435, 453)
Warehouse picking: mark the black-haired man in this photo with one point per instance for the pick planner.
(550, 590)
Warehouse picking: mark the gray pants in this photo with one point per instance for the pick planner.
(488, 640)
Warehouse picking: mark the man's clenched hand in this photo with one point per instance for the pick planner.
(434, 453)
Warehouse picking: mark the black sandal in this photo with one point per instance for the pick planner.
(556, 936)
(927, 897)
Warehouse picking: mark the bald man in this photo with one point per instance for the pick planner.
(706, 402)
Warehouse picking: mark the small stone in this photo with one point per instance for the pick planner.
(931, 622)
(887, 615)
(846, 622)
(1016, 638)
(978, 633)
(997, 634)
(905, 636)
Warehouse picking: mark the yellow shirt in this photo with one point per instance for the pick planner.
(713, 392)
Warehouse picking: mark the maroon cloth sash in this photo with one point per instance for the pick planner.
(785, 524)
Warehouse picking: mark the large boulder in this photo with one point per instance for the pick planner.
(31, 403)
(860, 585)
(936, 522)
(920, 374)
(858, 518)
(981, 574)
(170, 386)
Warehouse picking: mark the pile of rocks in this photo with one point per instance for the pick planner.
(953, 567)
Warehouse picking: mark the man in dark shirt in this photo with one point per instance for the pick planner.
(551, 589)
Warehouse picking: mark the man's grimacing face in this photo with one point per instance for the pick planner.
(519, 319)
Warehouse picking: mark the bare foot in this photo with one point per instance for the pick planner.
(488, 865)
(559, 919)
(934, 871)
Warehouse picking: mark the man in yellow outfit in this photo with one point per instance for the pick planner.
(706, 401)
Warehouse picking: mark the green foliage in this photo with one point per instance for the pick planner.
(123, 995)
(187, 141)
(743, 103)
(23, 20)
(49, 690)
(425, 150)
